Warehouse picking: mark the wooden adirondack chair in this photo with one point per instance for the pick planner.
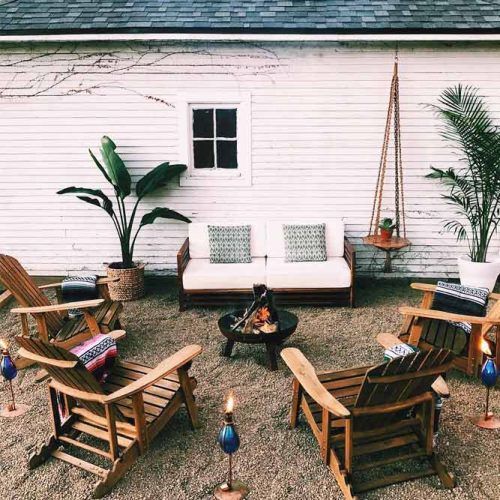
(127, 413)
(427, 328)
(361, 419)
(51, 320)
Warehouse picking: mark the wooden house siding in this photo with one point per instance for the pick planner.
(317, 120)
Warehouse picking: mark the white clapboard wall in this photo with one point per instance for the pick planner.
(317, 121)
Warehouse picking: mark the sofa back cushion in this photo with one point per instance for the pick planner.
(334, 235)
(199, 247)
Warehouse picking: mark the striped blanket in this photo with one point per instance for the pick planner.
(98, 355)
(76, 288)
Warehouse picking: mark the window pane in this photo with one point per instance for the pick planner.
(226, 122)
(203, 122)
(203, 154)
(226, 154)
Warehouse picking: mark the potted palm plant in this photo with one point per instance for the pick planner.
(473, 188)
(130, 273)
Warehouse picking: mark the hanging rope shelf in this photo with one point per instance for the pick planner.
(374, 238)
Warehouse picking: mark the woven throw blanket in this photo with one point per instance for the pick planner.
(98, 355)
(398, 351)
(76, 288)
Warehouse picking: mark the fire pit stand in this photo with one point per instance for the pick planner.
(287, 325)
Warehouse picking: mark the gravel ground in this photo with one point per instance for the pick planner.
(276, 462)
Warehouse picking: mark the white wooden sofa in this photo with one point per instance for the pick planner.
(323, 283)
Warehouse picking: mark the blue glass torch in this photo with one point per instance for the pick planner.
(9, 373)
(489, 375)
(229, 441)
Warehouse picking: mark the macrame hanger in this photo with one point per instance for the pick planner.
(393, 117)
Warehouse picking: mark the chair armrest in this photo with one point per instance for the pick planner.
(349, 253)
(99, 282)
(84, 304)
(167, 366)
(306, 375)
(77, 393)
(433, 314)
(183, 257)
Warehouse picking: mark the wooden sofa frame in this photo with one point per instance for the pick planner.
(298, 296)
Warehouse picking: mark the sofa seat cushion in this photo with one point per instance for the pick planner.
(200, 274)
(332, 273)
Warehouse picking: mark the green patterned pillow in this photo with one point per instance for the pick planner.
(229, 244)
(304, 242)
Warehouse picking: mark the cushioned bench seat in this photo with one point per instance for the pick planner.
(200, 274)
(332, 273)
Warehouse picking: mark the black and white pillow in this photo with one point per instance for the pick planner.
(304, 242)
(229, 244)
(457, 299)
(460, 299)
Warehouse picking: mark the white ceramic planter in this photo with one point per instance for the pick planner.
(482, 274)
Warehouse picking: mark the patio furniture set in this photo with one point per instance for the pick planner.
(355, 414)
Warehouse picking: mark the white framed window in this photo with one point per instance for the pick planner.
(215, 140)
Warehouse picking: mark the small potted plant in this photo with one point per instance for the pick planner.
(130, 273)
(386, 228)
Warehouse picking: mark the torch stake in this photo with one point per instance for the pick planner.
(12, 395)
(230, 482)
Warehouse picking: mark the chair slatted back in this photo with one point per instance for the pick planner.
(444, 335)
(403, 378)
(15, 278)
(76, 378)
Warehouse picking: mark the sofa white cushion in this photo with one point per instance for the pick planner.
(334, 236)
(200, 274)
(332, 273)
(199, 247)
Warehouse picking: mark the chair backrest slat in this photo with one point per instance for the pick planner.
(76, 378)
(15, 278)
(383, 386)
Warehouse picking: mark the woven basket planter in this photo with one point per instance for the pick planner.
(131, 284)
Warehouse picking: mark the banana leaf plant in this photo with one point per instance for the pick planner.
(115, 172)
(474, 188)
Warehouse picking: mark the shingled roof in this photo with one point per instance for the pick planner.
(18, 17)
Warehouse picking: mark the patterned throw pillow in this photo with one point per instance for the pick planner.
(229, 244)
(304, 242)
(460, 299)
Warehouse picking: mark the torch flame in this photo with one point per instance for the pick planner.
(3, 344)
(230, 402)
(485, 347)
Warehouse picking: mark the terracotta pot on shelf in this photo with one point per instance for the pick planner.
(385, 234)
(131, 281)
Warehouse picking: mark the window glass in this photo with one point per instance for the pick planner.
(203, 122)
(226, 154)
(203, 154)
(226, 123)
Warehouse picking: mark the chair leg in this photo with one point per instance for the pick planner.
(187, 391)
(296, 400)
(447, 478)
(44, 453)
(120, 467)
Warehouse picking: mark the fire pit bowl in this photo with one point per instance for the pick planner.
(287, 324)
